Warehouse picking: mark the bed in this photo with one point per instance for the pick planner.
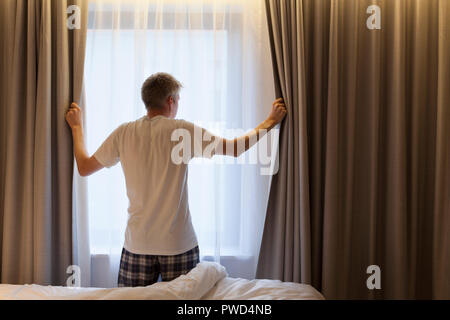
(207, 281)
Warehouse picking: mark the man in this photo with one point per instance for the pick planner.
(159, 237)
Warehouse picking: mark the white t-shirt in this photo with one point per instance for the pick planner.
(159, 221)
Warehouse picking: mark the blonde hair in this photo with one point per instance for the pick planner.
(157, 88)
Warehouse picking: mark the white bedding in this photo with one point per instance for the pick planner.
(208, 281)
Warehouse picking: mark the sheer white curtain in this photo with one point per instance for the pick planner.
(219, 50)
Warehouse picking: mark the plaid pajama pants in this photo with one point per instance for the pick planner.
(143, 270)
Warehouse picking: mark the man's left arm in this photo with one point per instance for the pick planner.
(86, 165)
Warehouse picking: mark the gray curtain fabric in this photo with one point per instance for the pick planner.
(364, 174)
(42, 65)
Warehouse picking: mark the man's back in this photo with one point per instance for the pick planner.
(159, 221)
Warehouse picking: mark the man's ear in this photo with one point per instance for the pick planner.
(170, 103)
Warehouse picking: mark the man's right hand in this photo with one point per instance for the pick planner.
(278, 111)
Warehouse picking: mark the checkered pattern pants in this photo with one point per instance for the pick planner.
(143, 270)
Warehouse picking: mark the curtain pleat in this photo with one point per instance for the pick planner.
(440, 214)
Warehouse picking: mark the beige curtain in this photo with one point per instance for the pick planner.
(364, 173)
(42, 65)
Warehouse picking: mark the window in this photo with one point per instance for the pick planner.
(205, 48)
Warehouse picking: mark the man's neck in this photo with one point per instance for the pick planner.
(154, 113)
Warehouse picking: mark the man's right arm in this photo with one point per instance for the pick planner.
(237, 146)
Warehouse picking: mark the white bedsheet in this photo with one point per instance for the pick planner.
(208, 280)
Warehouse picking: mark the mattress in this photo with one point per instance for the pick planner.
(207, 281)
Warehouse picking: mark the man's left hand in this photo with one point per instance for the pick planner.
(73, 116)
